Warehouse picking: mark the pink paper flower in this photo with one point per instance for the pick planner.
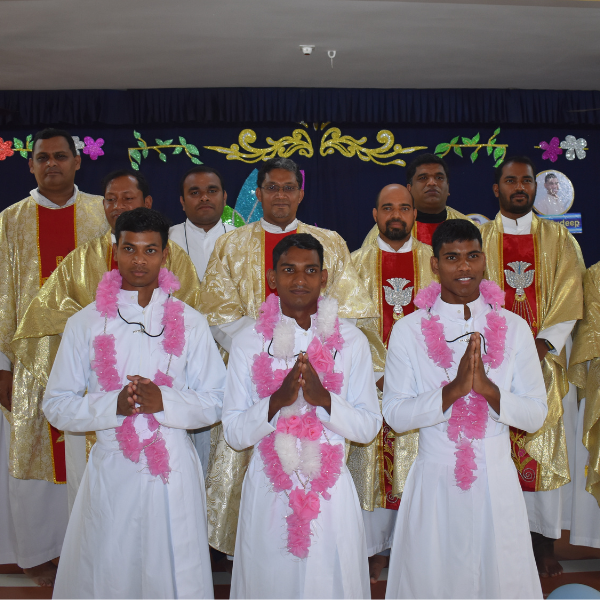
(173, 322)
(161, 379)
(552, 149)
(269, 316)
(107, 292)
(93, 148)
(319, 357)
(295, 425)
(5, 149)
(437, 348)
(168, 281)
(426, 297)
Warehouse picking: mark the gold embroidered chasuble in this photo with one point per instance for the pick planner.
(70, 288)
(234, 286)
(367, 462)
(586, 347)
(30, 454)
(558, 269)
(451, 213)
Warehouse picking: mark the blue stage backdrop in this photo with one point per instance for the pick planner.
(345, 162)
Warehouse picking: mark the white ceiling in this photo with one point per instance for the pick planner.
(120, 44)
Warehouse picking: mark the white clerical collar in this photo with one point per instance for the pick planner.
(456, 312)
(43, 201)
(131, 297)
(270, 228)
(520, 226)
(215, 231)
(385, 247)
(113, 239)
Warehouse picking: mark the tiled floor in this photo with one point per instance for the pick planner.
(580, 564)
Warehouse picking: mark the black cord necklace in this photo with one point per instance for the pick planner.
(142, 327)
(469, 333)
(295, 355)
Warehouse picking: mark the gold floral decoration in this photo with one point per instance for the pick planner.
(333, 140)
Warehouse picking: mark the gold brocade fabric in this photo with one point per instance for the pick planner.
(30, 456)
(233, 287)
(70, 288)
(365, 461)
(558, 270)
(450, 214)
(586, 351)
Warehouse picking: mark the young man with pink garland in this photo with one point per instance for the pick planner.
(139, 367)
(462, 370)
(299, 383)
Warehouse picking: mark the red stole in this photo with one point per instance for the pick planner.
(271, 240)
(393, 266)
(111, 263)
(424, 231)
(56, 237)
(522, 248)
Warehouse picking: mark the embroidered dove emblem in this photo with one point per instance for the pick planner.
(519, 278)
(396, 296)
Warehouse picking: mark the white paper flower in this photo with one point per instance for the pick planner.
(574, 147)
(79, 145)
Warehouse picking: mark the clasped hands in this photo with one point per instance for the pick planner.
(302, 375)
(141, 391)
(471, 376)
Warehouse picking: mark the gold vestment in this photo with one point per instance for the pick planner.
(450, 214)
(30, 455)
(586, 347)
(364, 459)
(70, 288)
(234, 286)
(558, 278)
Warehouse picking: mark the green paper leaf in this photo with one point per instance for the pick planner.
(135, 166)
(458, 151)
(237, 219)
(29, 138)
(145, 153)
(192, 149)
(23, 154)
(498, 152)
(474, 156)
(182, 141)
(159, 142)
(466, 141)
(168, 142)
(498, 163)
(136, 135)
(141, 144)
(135, 155)
(227, 216)
(441, 148)
(178, 150)
(163, 157)
(475, 140)
(454, 140)
(17, 143)
(489, 149)
(496, 132)
(196, 161)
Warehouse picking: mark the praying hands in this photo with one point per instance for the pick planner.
(141, 391)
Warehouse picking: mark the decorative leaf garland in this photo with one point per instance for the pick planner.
(499, 150)
(136, 154)
(91, 147)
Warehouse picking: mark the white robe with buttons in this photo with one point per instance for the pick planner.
(130, 535)
(337, 564)
(450, 543)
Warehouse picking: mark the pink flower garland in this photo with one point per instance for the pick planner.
(468, 421)
(305, 505)
(105, 366)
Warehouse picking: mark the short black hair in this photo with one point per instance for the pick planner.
(522, 160)
(143, 219)
(304, 241)
(142, 182)
(550, 176)
(454, 230)
(425, 159)
(200, 169)
(278, 163)
(50, 132)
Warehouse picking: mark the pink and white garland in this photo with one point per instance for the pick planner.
(469, 413)
(319, 463)
(105, 366)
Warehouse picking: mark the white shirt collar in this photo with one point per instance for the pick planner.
(270, 228)
(520, 226)
(43, 201)
(385, 247)
(215, 231)
(456, 312)
(130, 297)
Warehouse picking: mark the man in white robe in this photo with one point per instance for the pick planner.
(138, 529)
(470, 541)
(203, 199)
(266, 564)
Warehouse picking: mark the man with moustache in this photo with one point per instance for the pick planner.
(427, 181)
(393, 267)
(539, 265)
(35, 236)
(73, 286)
(203, 198)
(232, 292)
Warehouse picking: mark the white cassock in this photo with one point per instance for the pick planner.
(451, 543)
(199, 245)
(549, 512)
(130, 535)
(337, 564)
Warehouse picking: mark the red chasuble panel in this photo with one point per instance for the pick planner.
(57, 236)
(397, 290)
(425, 231)
(520, 286)
(271, 240)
